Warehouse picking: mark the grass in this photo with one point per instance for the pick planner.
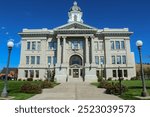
(134, 88)
(14, 89)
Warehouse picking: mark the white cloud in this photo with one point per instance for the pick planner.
(18, 44)
(3, 28)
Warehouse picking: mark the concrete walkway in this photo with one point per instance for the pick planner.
(74, 91)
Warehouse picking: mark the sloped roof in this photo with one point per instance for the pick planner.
(9, 70)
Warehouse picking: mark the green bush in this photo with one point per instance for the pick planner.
(109, 79)
(52, 76)
(103, 84)
(100, 78)
(30, 79)
(28, 87)
(114, 88)
(19, 79)
(135, 78)
(46, 84)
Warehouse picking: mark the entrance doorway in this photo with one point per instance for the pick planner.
(76, 67)
(75, 73)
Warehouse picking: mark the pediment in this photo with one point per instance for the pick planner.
(75, 25)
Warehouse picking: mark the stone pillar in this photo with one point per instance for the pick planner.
(60, 69)
(58, 51)
(64, 50)
(86, 50)
(90, 70)
(92, 50)
(107, 56)
(52, 60)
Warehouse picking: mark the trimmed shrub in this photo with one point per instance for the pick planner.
(135, 78)
(114, 88)
(103, 84)
(30, 79)
(46, 84)
(100, 78)
(109, 79)
(19, 79)
(31, 88)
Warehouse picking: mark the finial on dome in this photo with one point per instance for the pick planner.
(75, 3)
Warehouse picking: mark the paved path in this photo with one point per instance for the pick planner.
(74, 91)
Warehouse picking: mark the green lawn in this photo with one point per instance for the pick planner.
(134, 88)
(14, 89)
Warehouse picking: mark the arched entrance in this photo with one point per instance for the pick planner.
(75, 66)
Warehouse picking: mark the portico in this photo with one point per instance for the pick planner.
(74, 60)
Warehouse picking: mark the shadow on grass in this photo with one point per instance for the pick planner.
(137, 87)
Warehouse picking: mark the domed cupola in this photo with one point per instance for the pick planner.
(75, 14)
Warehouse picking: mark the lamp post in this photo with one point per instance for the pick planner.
(120, 75)
(10, 45)
(144, 92)
(49, 72)
(102, 70)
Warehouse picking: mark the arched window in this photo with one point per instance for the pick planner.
(75, 59)
(75, 17)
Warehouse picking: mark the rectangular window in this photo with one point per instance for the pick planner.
(55, 46)
(113, 60)
(69, 72)
(119, 73)
(28, 45)
(97, 60)
(31, 73)
(38, 60)
(54, 60)
(37, 73)
(112, 45)
(97, 73)
(50, 46)
(27, 60)
(102, 59)
(33, 45)
(81, 44)
(38, 45)
(114, 73)
(122, 45)
(49, 59)
(124, 59)
(26, 73)
(117, 44)
(118, 59)
(75, 45)
(32, 59)
(125, 73)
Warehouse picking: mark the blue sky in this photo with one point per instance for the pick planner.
(18, 14)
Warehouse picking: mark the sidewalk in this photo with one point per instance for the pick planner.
(74, 91)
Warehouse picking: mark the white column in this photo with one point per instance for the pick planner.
(58, 51)
(86, 50)
(52, 60)
(92, 50)
(64, 50)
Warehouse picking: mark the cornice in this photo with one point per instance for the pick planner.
(75, 31)
(117, 33)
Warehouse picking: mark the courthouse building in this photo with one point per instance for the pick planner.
(76, 51)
